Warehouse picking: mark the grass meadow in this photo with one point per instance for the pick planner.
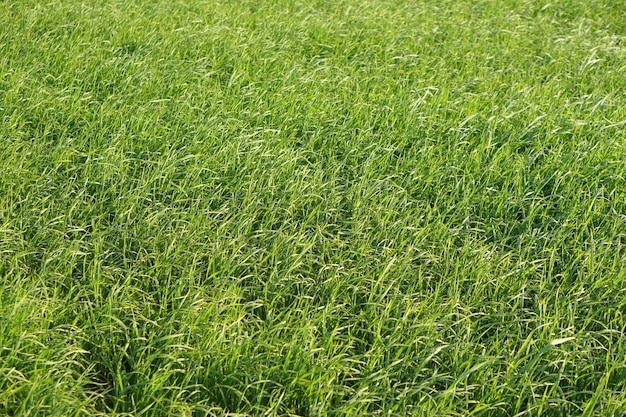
(312, 208)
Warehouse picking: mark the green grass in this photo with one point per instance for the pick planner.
(328, 208)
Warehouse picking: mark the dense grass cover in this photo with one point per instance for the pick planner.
(312, 208)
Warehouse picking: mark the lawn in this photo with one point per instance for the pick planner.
(312, 208)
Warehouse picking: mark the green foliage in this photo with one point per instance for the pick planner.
(312, 208)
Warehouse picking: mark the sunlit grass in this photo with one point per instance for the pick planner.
(312, 208)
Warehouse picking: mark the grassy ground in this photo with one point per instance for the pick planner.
(312, 208)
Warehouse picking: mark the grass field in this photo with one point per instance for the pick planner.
(314, 208)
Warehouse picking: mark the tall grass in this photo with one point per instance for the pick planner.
(312, 208)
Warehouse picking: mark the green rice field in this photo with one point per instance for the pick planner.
(312, 208)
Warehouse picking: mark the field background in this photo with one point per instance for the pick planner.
(312, 208)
